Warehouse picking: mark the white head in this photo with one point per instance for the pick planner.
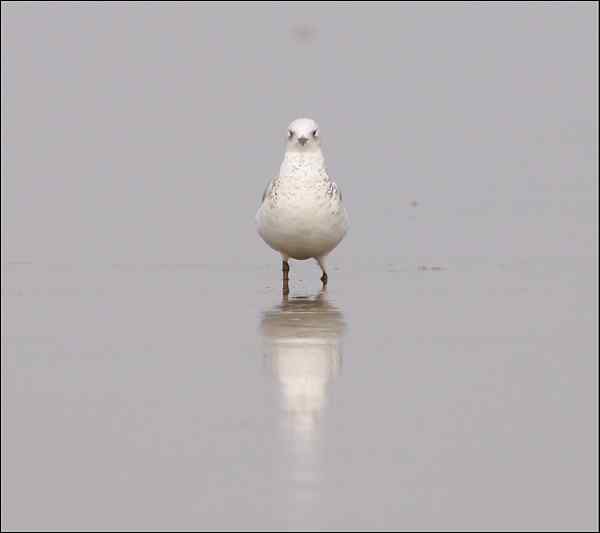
(303, 136)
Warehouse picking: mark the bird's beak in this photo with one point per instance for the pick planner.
(302, 140)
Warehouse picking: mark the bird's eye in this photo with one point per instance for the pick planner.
(315, 133)
(290, 134)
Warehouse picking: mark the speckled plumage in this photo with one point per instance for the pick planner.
(302, 215)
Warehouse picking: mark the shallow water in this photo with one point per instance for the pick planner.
(190, 397)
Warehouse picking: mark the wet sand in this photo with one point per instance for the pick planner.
(186, 397)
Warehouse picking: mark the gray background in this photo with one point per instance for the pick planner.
(143, 341)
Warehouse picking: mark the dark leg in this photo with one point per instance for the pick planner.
(321, 261)
(286, 269)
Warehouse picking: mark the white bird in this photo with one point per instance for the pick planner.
(301, 215)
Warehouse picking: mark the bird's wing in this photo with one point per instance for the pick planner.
(267, 190)
(334, 190)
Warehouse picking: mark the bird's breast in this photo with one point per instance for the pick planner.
(302, 220)
(303, 201)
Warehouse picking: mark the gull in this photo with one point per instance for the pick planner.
(301, 215)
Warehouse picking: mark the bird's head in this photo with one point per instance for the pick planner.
(303, 136)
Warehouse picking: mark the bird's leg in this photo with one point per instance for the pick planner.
(321, 261)
(286, 269)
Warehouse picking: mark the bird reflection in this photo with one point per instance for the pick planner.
(302, 343)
